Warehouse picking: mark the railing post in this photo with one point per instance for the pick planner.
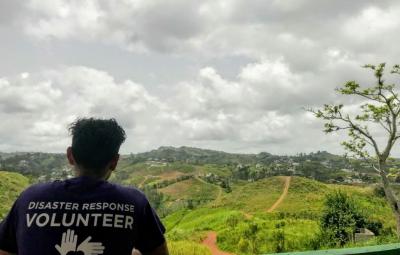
(388, 249)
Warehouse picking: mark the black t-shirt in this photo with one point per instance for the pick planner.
(80, 216)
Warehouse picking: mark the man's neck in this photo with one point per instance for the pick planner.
(91, 174)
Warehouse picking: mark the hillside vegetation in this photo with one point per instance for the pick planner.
(245, 227)
(186, 247)
(11, 185)
(198, 191)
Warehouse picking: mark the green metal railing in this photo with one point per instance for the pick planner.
(388, 249)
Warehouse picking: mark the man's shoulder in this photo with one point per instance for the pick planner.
(109, 191)
(40, 188)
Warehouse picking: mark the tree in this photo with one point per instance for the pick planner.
(340, 219)
(155, 198)
(242, 172)
(190, 204)
(279, 240)
(226, 186)
(381, 107)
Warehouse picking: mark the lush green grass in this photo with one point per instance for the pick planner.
(192, 189)
(238, 234)
(306, 196)
(240, 217)
(261, 236)
(220, 170)
(149, 172)
(201, 219)
(253, 197)
(245, 227)
(187, 247)
(11, 185)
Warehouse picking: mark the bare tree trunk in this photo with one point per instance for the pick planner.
(398, 224)
(390, 196)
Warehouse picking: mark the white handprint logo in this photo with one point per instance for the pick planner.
(90, 248)
(69, 244)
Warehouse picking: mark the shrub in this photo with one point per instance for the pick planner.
(340, 218)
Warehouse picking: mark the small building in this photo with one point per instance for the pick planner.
(363, 234)
(347, 170)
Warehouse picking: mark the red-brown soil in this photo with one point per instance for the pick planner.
(211, 243)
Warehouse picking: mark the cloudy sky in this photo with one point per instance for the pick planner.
(230, 75)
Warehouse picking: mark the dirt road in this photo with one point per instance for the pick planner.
(217, 200)
(283, 195)
(211, 240)
(141, 184)
(211, 243)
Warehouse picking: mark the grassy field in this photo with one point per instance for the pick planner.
(191, 189)
(187, 247)
(306, 197)
(238, 234)
(150, 172)
(239, 217)
(219, 170)
(255, 196)
(245, 227)
(11, 185)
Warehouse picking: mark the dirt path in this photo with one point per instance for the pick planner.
(211, 243)
(283, 195)
(146, 177)
(248, 215)
(217, 200)
(211, 239)
(142, 183)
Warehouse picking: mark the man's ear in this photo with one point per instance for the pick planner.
(114, 162)
(70, 157)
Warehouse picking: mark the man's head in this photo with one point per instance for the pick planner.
(95, 146)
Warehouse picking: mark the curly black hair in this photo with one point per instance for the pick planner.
(95, 141)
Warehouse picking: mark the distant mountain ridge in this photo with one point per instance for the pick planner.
(196, 155)
(39, 163)
(179, 153)
(206, 156)
(32, 163)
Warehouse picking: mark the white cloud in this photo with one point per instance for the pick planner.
(24, 75)
(252, 67)
(260, 109)
(299, 31)
(372, 22)
(44, 103)
(65, 19)
(133, 25)
(210, 108)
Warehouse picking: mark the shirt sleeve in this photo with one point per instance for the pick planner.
(151, 230)
(8, 227)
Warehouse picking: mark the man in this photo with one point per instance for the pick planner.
(86, 214)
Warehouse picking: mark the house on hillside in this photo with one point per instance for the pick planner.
(327, 163)
(363, 234)
(346, 170)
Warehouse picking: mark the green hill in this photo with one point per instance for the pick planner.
(11, 185)
(33, 163)
(195, 156)
(320, 165)
(150, 172)
(244, 198)
(245, 226)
